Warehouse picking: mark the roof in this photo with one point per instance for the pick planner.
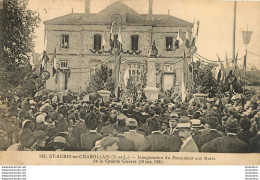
(129, 16)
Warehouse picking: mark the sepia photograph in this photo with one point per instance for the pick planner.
(129, 82)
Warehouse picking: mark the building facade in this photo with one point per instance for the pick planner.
(83, 42)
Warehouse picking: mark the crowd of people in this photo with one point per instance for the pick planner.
(30, 124)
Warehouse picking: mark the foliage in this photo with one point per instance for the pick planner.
(101, 80)
(253, 77)
(19, 24)
(204, 80)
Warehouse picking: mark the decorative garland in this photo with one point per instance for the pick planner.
(132, 52)
(94, 51)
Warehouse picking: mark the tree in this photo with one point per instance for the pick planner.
(18, 33)
(101, 80)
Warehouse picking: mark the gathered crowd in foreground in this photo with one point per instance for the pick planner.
(31, 124)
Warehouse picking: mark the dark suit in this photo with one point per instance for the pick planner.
(88, 140)
(226, 144)
(125, 144)
(109, 129)
(245, 136)
(155, 142)
(175, 143)
(207, 137)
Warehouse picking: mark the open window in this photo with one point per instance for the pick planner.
(97, 42)
(169, 43)
(134, 42)
(65, 41)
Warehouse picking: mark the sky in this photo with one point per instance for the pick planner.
(216, 21)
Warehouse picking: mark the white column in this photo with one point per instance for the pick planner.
(151, 92)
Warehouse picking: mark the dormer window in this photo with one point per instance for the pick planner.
(169, 44)
(97, 42)
(65, 41)
(134, 42)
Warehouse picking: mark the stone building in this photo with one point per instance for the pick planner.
(83, 41)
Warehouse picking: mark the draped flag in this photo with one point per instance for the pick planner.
(111, 36)
(120, 41)
(45, 57)
(54, 68)
(227, 63)
(126, 76)
(195, 32)
(245, 62)
(220, 70)
(104, 41)
(187, 41)
(178, 41)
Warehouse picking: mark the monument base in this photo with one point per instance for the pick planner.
(151, 93)
(105, 95)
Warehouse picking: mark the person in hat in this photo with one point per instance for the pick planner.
(156, 141)
(164, 126)
(110, 129)
(40, 140)
(88, 139)
(213, 133)
(244, 134)
(229, 143)
(172, 130)
(97, 146)
(142, 125)
(133, 135)
(124, 144)
(185, 133)
(80, 127)
(109, 143)
(59, 143)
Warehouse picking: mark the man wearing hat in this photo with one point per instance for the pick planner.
(184, 131)
(124, 144)
(133, 135)
(109, 144)
(213, 133)
(172, 130)
(164, 126)
(156, 141)
(229, 143)
(110, 129)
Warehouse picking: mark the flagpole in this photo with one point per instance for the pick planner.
(234, 32)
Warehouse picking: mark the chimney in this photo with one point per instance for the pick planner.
(150, 10)
(87, 8)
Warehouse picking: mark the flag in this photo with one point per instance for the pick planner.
(178, 41)
(187, 41)
(220, 70)
(104, 41)
(247, 36)
(111, 36)
(245, 62)
(54, 68)
(195, 32)
(120, 41)
(126, 76)
(227, 63)
(235, 61)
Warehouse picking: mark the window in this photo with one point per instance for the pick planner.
(63, 64)
(169, 43)
(135, 71)
(65, 41)
(168, 68)
(134, 40)
(97, 42)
